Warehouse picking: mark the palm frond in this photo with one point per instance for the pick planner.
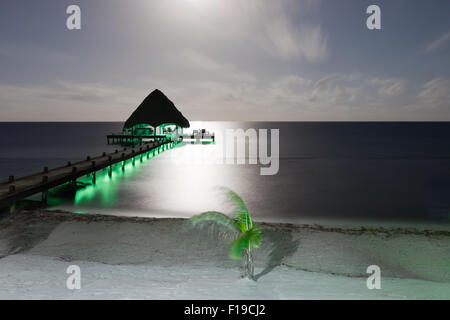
(244, 221)
(239, 204)
(254, 237)
(215, 217)
(241, 214)
(246, 241)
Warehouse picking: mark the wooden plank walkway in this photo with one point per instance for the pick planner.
(18, 189)
(124, 138)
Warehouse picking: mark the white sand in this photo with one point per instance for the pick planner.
(131, 258)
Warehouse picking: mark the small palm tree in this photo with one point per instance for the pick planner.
(248, 233)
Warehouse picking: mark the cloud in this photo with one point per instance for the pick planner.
(436, 93)
(285, 97)
(325, 82)
(39, 53)
(270, 28)
(290, 42)
(66, 101)
(288, 39)
(389, 87)
(199, 62)
(288, 97)
(436, 44)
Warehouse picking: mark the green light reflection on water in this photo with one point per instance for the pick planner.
(106, 187)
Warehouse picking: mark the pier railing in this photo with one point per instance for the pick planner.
(17, 189)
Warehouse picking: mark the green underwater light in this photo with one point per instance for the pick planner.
(105, 187)
(102, 184)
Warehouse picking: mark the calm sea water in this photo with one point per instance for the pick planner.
(335, 171)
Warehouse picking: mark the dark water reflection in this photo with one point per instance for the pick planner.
(359, 171)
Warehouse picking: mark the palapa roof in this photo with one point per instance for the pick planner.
(155, 110)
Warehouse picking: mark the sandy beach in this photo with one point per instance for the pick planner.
(149, 258)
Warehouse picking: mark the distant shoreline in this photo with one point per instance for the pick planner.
(61, 215)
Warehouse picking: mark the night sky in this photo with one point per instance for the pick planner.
(226, 60)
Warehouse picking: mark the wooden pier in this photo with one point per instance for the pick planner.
(16, 190)
(133, 139)
(128, 138)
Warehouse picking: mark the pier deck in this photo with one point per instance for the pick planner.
(18, 189)
(128, 138)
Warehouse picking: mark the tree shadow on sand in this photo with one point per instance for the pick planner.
(283, 246)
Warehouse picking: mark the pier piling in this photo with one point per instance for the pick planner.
(44, 197)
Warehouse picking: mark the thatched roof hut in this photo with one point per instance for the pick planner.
(156, 110)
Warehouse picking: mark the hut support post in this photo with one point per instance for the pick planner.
(94, 179)
(12, 208)
(45, 191)
(44, 197)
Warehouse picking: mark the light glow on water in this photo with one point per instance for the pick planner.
(106, 186)
(175, 183)
(183, 181)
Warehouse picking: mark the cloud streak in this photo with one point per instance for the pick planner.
(60, 101)
(290, 96)
(435, 93)
(438, 43)
(388, 87)
(264, 27)
(224, 60)
(287, 40)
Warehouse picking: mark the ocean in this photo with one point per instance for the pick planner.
(339, 172)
